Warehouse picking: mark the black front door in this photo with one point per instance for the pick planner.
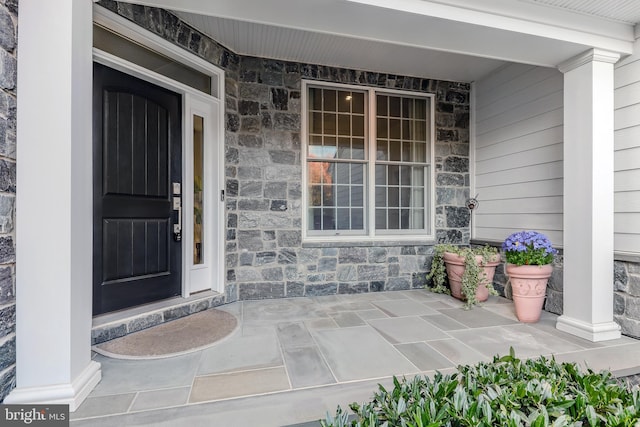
(137, 156)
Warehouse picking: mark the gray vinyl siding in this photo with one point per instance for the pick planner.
(627, 154)
(518, 152)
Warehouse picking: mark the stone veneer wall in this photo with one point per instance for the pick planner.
(8, 93)
(265, 257)
(626, 297)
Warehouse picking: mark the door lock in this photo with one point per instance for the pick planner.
(177, 228)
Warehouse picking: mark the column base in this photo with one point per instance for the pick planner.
(72, 394)
(589, 331)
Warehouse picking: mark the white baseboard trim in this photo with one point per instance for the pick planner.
(590, 331)
(72, 394)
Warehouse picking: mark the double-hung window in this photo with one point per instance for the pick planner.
(369, 162)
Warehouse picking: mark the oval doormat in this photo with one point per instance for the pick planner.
(187, 334)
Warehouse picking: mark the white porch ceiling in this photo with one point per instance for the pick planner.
(461, 40)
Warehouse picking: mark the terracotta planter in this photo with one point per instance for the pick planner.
(455, 269)
(528, 289)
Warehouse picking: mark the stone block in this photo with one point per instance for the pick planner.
(253, 92)
(268, 235)
(7, 320)
(275, 190)
(554, 301)
(457, 217)
(289, 238)
(248, 274)
(272, 274)
(233, 122)
(329, 251)
(377, 255)
(176, 313)
(419, 280)
(293, 272)
(231, 292)
(7, 176)
(7, 250)
(633, 267)
(231, 234)
(316, 277)
(279, 140)
(353, 288)
(283, 157)
(144, 322)
(283, 173)
(556, 280)
(444, 135)
(250, 141)
(620, 277)
(394, 270)
(7, 288)
(250, 124)
(250, 240)
(250, 189)
(271, 78)
(376, 286)
(278, 205)
(246, 258)
(372, 272)
(275, 220)
(7, 382)
(618, 303)
(630, 327)
(7, 353)
(346, 273)
(352, 255)
(408, 250)
(287, 256)
(231, 260)
(632, 307)
(327, 264)
(249, 220)
(320, 289)
(412, 263)
(633, 284)
(456, 164)
(263, 290)
(248, 108)
(7, 31)
(263, 258)
(398, 284)
(308, 255)
(449, 236)
(232, 188)
(445, 196)
(107, 333)
(295, 289)
(8, 70)
(231, 275)
(286, 121)
(280, 98)
(253, 204)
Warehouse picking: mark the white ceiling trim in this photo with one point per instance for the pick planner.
(462, 39)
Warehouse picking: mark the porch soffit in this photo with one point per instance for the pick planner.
(453, 40)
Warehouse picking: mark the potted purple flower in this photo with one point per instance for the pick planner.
(529, 256)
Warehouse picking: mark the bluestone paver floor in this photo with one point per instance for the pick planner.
(292, 360)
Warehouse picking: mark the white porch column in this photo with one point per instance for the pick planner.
(54, 204)
(588, 197)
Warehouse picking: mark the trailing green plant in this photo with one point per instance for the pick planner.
(473, 273)
(506, 392)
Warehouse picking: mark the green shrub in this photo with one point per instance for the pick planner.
(507, 392)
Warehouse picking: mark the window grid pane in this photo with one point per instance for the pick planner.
(401, 162)
(337, 161)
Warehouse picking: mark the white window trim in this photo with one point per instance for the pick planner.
(153, 42)
(371, 235)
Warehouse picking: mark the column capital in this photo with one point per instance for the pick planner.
(592, 55)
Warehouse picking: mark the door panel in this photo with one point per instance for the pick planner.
(137, 156)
